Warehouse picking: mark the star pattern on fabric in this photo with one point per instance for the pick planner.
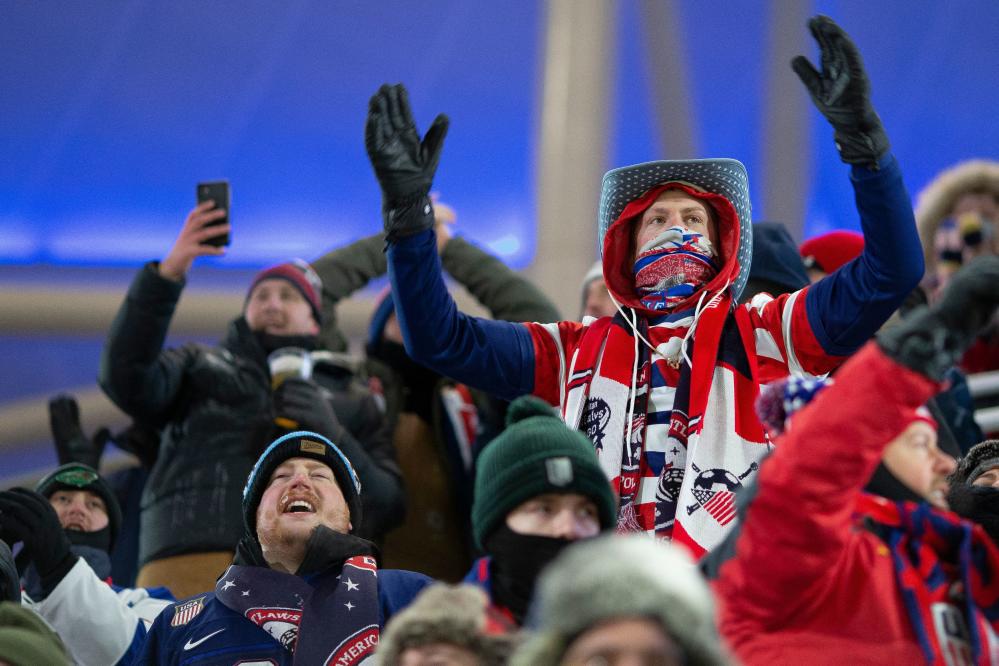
(246, 593)
(227, 585)
(351, 585)
(349, 606)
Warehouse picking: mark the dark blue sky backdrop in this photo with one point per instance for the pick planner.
(111, 111)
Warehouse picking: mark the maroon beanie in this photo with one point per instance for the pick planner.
(830, 251)
(302, 277)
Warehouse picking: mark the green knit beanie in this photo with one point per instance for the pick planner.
(535, 455)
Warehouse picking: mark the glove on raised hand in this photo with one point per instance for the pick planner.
(70, 442)
(303, 402)
(28, 517)
(932, 339)
(404, 164)
(842, 92)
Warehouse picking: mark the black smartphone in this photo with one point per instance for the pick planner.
(217, 191)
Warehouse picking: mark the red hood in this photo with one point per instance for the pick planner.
(618, 256)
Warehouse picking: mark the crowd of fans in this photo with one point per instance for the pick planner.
(766, 452)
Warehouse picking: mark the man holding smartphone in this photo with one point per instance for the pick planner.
(216, 410)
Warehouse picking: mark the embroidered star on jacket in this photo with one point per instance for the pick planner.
(349, 606)
(227, 585)
(351, 585)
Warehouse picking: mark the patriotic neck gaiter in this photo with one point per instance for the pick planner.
(672, 266)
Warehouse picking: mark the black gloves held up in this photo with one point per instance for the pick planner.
(70, 442)
(933, 338)
(403, 162)
(842, 92)
(302, 401)
(27, 516)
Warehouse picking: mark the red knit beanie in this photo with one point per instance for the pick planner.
(830, 251)
(302, 277)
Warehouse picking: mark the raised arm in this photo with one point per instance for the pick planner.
(805, 492)
(847, 307)
(495, 356)
(136, 373)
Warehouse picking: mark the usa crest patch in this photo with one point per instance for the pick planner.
(187, 611)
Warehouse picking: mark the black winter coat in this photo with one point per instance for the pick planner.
(214, 407)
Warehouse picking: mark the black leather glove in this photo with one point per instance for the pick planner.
(27, 516)
(70, 442)
(932, 339)
(302, 401)
(842, 93)
(403, 163)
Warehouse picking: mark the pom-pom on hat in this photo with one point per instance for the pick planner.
(301, 276)
(77, 476)
(779, 401)
(300, 444)
(535, 455)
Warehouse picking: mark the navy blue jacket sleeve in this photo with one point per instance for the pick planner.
(494, 356)
(848, 306)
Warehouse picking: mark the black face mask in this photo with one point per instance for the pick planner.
(885, 484)
(979, 504)
(517, 561)
(271, 342)
(420, 382)
(99, 539)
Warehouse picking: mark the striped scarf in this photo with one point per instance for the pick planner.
(936, 554)
(674, 430)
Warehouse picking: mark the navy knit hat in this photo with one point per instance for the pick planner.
(301, 276)
(776, 259)
(536, 454)
(77, 476)
(301, 444)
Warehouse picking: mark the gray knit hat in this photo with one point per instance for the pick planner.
(450, 614)
(616, 576)
(981, 458)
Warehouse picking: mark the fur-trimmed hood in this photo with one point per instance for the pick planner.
(614, 577)
(451, 614)
(935, 201)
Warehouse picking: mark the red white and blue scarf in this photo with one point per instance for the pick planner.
(331, 620)
(948, 573)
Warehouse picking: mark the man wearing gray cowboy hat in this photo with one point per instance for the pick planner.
(665, 388)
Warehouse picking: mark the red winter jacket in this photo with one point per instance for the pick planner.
(806, 582)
